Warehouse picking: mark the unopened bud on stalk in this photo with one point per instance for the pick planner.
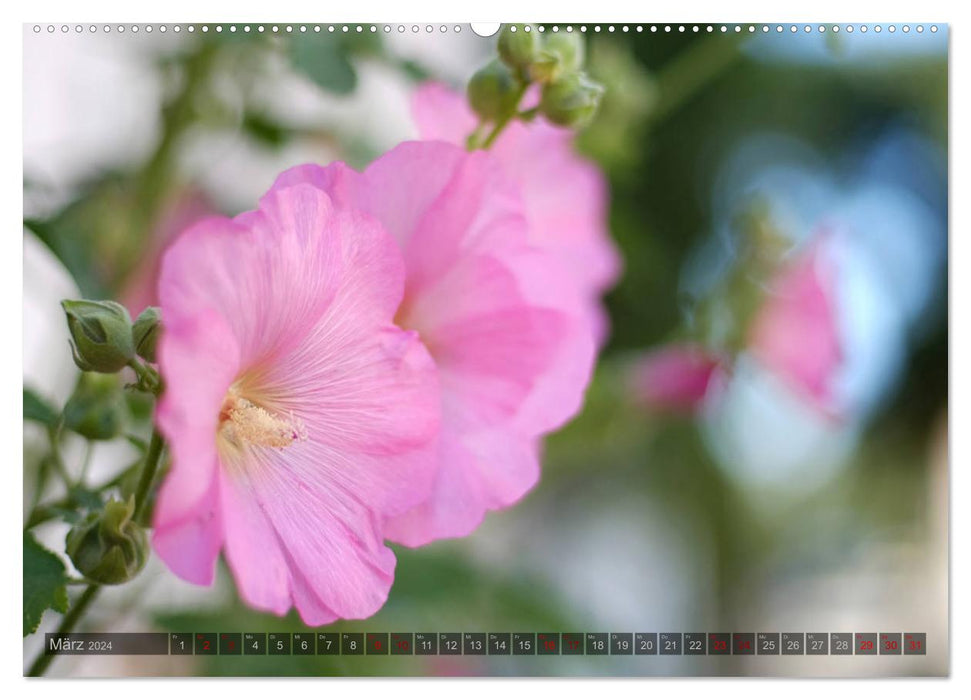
(561, 54)
(109, 547)
(518, 45)
(572, 100)
(146, 331)
(493, 91)
(101, 333)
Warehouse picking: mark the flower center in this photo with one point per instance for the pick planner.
(242, 423)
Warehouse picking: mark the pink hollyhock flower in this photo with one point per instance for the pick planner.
(675, 377)
(795, 333)
(564, 196)
(296, 411)
(501, 318)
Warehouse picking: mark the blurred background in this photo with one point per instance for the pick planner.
(754, 509)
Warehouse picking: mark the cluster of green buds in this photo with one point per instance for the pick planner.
(103, 337)
(569, 97)
(109, 547)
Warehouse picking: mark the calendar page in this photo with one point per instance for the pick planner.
(450, 349)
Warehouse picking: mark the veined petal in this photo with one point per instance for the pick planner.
(328, 534)
(299, 416)
(270, 273)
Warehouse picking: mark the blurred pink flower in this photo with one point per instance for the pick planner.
(141, 284)
(501, 318)
(675, 377)
(296, 411)
(795, 333)
(565, 197)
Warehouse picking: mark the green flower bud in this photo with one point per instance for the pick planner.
(493, 91)
(108, 547)
(561, 54)
(517, 46)
(96, 409)
(146, 331)
(571, 101)
(101, 332)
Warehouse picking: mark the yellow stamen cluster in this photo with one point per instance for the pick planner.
(242, 423)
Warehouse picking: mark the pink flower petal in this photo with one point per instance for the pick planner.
(201, 358)
(464, 490)
(500, 317)
(300, 417)
(141, 284)
(564, 196)
(675, 377)
(795, 334)
(329, 540)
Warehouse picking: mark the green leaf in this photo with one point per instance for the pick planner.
(324, 60)
(264, 130)
(37, 409)
(45, 583)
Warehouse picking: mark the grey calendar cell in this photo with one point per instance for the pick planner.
(278, 643)
(500, 643)
(767, 644)
(426, 643)
(573, 643)
(865, 643)
(206, 643)
(402, 643)
(670, 643)
(817, 643)
(474, 643)
(891, 643)
(450, 643)
(524, 643)
(719, 643)
(548, 643)
(793, 643)
(695, 643)
(328, 643)
(645, 643)
(743, 643)
(376, 643)
(230, 643)
(596, 643)
(621, 643)
(915, 643)
(304, 644)
(180, 642)
(841, 643)
(254, 643)
(352, 643)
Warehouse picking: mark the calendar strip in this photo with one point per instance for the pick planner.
(492, 643)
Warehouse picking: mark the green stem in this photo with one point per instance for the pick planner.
(81, 606)
(54, 435)
(528, 114)
(504, 120)
(148, 379)
(152, 460)
(683, 76)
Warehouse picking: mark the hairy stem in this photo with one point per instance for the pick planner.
(152, 460)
